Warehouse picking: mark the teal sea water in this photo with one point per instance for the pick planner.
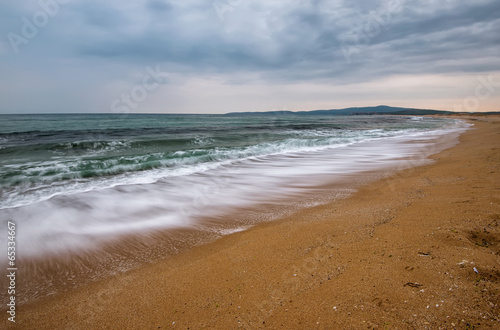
(42, 156)
(72, 180)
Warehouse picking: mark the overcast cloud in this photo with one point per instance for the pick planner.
(204, 56)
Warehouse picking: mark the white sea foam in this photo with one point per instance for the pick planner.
(62, 176)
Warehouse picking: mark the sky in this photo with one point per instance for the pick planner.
(218, 56)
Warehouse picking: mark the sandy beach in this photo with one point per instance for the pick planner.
(419, 249)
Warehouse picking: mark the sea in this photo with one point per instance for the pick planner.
(78, 185)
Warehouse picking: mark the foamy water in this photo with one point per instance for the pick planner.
(143, 202)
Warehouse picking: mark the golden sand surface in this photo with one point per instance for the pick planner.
(416, 250)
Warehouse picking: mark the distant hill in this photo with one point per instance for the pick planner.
(378, 110)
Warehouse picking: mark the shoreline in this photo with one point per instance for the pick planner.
(303, 270)
(56, 273)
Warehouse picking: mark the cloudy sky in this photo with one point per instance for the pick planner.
(217, 56)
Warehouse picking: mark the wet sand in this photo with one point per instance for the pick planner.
(416, 250)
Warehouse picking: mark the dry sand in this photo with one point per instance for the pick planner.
(417, 250)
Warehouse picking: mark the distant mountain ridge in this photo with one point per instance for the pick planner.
(377, 110)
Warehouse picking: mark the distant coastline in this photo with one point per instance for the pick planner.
(377, 110)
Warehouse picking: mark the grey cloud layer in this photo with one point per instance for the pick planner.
(301, 35)
(274, 40)
(258, 35)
